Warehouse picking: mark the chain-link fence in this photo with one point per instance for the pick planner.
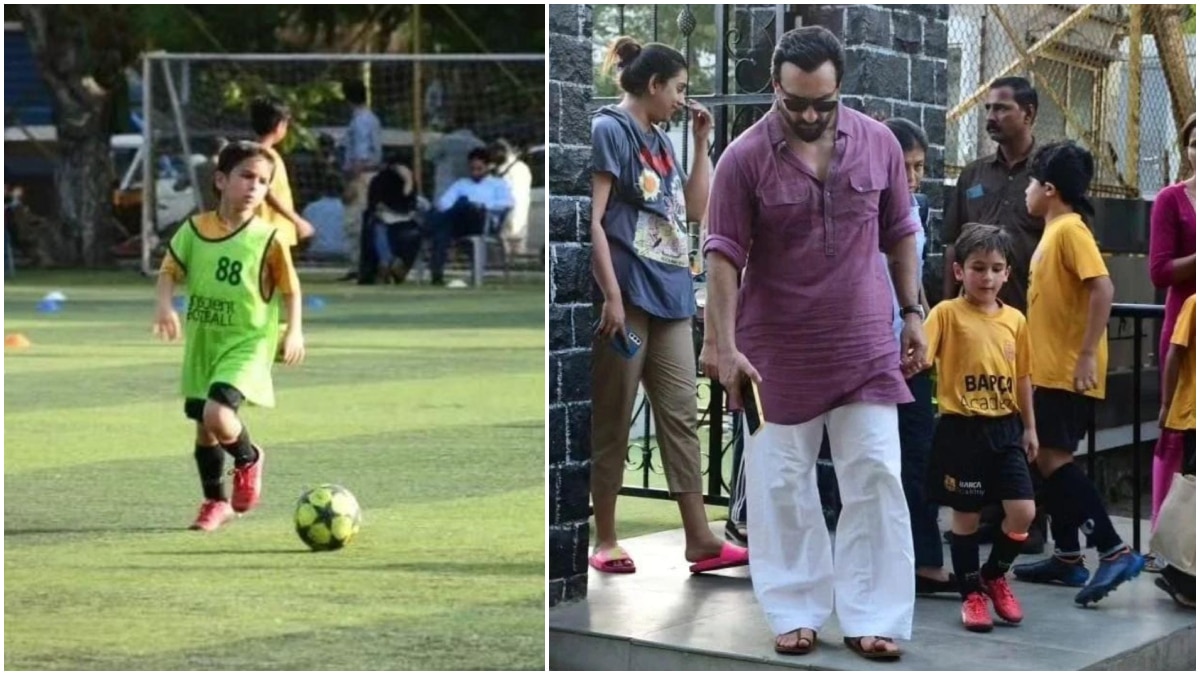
(193, 102)
(1118, 79)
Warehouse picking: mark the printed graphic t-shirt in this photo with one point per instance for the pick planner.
(645, 220)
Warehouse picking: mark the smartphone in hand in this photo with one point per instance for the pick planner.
(625, 342)
(752, 406)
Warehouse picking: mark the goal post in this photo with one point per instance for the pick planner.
(192, 102)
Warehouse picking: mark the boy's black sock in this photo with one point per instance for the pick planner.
(964, 556)
(1064, 515)
(1004, 551)
(1071, 491)
(210, 461)
(242, 450)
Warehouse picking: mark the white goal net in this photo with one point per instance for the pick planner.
(192, 102)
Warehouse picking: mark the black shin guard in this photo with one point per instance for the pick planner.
(1005, 550)
(1073, 492)
(241, 449)
(964, 556)
(210, 462)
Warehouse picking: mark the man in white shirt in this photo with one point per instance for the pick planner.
(463, 209)
(514, 171)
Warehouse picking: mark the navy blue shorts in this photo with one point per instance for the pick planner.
(978, 461)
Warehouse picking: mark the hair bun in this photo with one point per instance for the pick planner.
(626, 50)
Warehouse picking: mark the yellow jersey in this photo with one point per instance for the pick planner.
(1058, 303)
(1181, 416)
(281, 189)
(979, 356)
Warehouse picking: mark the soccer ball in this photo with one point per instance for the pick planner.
(327, 517)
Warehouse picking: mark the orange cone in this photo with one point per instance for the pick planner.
(16, 341)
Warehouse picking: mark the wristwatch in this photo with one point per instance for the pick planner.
(912, 309)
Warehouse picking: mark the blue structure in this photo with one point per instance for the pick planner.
(27, 100)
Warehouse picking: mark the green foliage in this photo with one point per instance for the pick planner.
(308, 101)
(639, 22)
(210, 28)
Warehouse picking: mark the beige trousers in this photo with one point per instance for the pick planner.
(665, 366)
(356, 191)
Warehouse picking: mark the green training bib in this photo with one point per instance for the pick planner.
(231, 328)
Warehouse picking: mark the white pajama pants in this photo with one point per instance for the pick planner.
(792, 565)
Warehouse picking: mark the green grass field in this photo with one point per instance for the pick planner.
(428, 404)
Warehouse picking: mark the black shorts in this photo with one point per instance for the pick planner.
(1062, 417)
(225, 394)
(978, 461)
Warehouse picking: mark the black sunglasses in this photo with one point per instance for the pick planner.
(799, 105)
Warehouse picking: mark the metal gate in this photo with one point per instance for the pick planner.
(728, 49)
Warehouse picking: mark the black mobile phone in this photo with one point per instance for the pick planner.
(752, 406)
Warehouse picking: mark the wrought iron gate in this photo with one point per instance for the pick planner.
(728, 49)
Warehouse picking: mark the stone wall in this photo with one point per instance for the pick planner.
(570, 92)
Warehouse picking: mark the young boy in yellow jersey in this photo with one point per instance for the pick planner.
(270, 117)
(1178, 413)
(1070, 297)
(985, 437)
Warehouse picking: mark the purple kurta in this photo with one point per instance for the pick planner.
(814, 308)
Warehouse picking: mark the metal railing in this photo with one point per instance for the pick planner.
(1139, 314)
(713, 418)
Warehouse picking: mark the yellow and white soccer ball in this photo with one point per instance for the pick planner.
(327, 517)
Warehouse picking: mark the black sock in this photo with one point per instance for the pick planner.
(1075, 493)
(1004, 551)
(964, 556)
(210, 461)
(242, 450)
(1064, 515)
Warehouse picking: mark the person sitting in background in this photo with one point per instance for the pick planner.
(463, 209)
(448, 154)
(326, 215)
(515, 172)
(392, 210)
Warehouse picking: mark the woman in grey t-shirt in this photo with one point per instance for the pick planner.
(641, 203)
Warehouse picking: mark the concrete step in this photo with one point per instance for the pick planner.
(663, 618)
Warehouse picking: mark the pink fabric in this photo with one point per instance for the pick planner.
(1168, 460)
(814, 310)
(1172, 235)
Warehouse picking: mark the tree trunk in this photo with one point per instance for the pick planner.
(83, 176)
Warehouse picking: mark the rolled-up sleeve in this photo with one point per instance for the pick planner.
(730, 211)
(896, 219)
(1164, 233)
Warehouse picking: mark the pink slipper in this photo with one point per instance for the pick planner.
(731, 556)
(613, 561)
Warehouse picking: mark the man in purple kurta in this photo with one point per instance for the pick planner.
(802, 203)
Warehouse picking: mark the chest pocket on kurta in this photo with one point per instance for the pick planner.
(782, 217)
(859, 205)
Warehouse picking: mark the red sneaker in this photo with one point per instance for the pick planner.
(975, 614)
(213, 514)
(247, 484)
(1003, 599)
